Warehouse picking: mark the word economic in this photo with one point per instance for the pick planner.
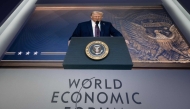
(90, 97)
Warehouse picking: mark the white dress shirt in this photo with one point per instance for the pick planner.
(93, 27)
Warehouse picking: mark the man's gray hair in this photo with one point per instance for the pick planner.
(97, 12)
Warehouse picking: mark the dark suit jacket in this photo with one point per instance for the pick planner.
(84, 29)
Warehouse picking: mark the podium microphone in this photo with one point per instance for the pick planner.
(97, 22)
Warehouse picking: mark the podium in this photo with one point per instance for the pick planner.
(117, 59)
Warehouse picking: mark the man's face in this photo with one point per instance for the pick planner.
(96, 17)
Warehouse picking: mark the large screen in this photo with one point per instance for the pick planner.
(152, 35)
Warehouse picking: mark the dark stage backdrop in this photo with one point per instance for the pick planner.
(6, 9)
(45, 36)
(185, 4)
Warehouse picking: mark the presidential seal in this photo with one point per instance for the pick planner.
(97, 50)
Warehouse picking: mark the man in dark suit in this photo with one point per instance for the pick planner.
(95, 27)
